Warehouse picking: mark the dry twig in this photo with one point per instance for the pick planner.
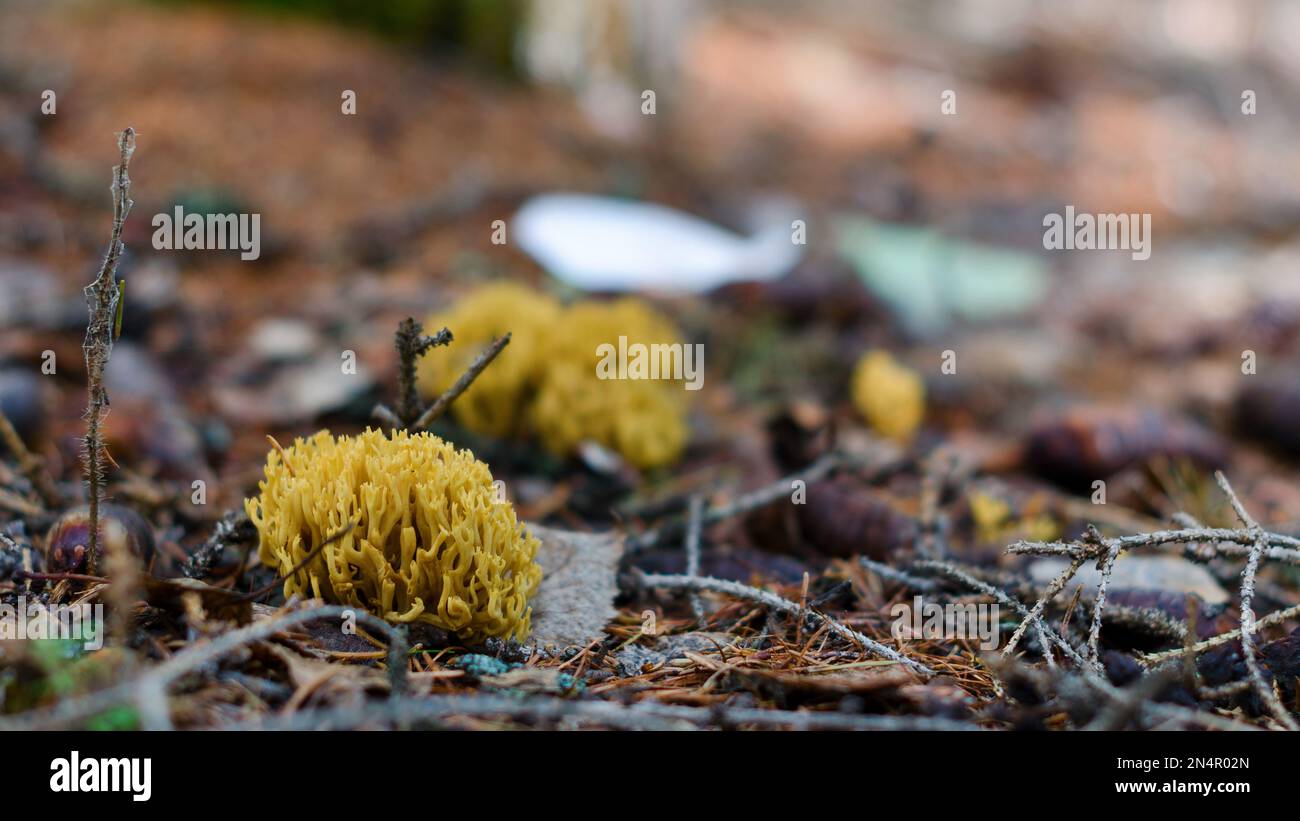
(411, 343)
(102, 296)
(1264, 688)
(781, 605)
(440, 405)
(750, 501)
(694, 526)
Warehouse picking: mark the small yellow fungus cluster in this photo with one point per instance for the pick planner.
(431, 540)
(889, 395)
(494, 404)
(553, 380)
(995, 523)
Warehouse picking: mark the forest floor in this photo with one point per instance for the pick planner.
(737, 602)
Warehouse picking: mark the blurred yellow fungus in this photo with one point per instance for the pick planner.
(431, 540)
(889, 395)
(640, 420)
(494, 404)
(990, 515)
(996, 523)
(562, 388)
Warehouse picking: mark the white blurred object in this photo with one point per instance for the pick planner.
(607, 244)
(608, 52)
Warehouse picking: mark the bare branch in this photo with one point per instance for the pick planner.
(101, 297)
(750, 501)
(1264, 688)
(440, 405)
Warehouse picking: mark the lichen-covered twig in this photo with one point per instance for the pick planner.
(32, 465)
(1279, 547)
(1264, 688)
(781, 605)
(102, 297)
(440, 405)
(1046, 633)
(754, 500)
(902, 577)
(1276, 617)
(695, 524)
(1250, 541)
(1105, 565)
(1055, 587)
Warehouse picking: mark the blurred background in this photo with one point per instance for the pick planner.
(920, 143)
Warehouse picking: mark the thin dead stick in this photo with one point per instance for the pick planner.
(1058, 584)
(440, 405)
(893, 574)
(1006, 599)
(781, 605)
(695, 524)
(411, 343)
(1105, 566)
(32, 465)
(1280, 547)
(929, 536)
(149, 690)
(754, 500)
(1264, 688)
(1276, 617)
(102, 296)
(25, 575)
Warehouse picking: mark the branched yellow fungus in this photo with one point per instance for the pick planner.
(641, 420)
(431, 541)
(493, 405)
(588, 324)
(554, 388)
(889, 395)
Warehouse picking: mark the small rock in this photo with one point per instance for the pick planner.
(1170, 574)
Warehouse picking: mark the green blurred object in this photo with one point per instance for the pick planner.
(485, 31)
(930, 279)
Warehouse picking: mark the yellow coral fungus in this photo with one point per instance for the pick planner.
(555, 389)
(431, 542)
(641, 420)
(493, 404)
(589, 324)
(889, 395)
